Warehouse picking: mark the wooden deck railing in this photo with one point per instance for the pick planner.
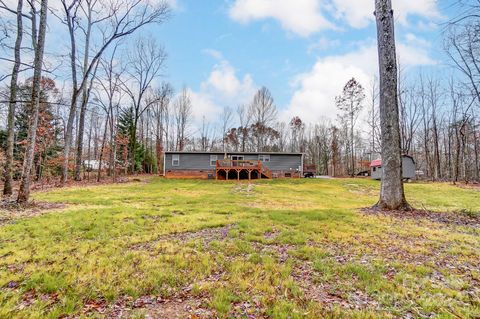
(227, 163)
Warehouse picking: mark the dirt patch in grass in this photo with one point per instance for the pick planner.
(470, 186)
(321, 292)
(31, 297)
(11, 210)
(326, 294)
(244, 189)
(181, 304)
(462, 218)
(151, 307)
(270, 235)
(361, 189)
(46, 185)
(207, 235)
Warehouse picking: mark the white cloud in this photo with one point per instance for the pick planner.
(359, 13)
(213, 53)
(316, 89)
(223, 87)
(414, 40)
(224, 81)
(302, 17)
(202, 106)
(305, 17)
(323, 44)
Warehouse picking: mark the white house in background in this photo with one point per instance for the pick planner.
(91, 165)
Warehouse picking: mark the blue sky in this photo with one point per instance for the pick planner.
(302, 50)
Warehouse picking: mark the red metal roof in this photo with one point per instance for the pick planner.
(376, 163)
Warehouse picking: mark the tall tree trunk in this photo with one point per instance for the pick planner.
(133, 144)
(7, 187)
(24, 191)
(112, 142)
(73, 102)
(475, 149)
(89, 146)
(80, 132)
(159, 139)
(352, 144)
(392, 194)
(437, 172)
(100, 161)
(85, 96)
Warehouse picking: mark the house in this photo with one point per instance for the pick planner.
(232, 165)
(91, 165)
(408, 168)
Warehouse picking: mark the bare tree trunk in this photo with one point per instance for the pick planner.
(73, 102)
(7, 187)
(159, 137)
(102, 149)
(85, 96)
(81, 127)
(392, 194)
(24, 191)
(89, 145)
(112, 144)
(352, 138)
(475, 149)
(123, 22)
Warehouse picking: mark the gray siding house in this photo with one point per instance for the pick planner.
(232, 165)
(408, 168)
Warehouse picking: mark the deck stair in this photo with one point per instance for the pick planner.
(227, 169)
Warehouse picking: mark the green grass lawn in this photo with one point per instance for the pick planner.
(279, 249)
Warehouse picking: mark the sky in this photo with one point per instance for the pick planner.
(303, 51)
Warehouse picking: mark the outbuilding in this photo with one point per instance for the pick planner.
(408, 168)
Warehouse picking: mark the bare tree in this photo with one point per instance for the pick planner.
(227, 116)
(373, 119)
(205, 136)
(7, 188)
(244, 118)
(350, 103)
(392, 194)
(109, 86)
(145, 62)
(263, 114)
(118, 20)
(24, 191)
(182, 114)
(161, 114)
(409, 114)
(433, 97)
(297, 128)
(463, 48)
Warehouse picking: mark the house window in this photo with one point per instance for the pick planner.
(213, 160)
(264, 158)
(175, 160)
(374, 169)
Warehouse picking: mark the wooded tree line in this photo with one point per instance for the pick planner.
(116, 114)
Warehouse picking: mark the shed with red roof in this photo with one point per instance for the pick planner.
(408, 168)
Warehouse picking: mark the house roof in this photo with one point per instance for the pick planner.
(376, 163)
(233, 153)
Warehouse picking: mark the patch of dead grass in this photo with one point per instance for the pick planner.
(11, 210)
